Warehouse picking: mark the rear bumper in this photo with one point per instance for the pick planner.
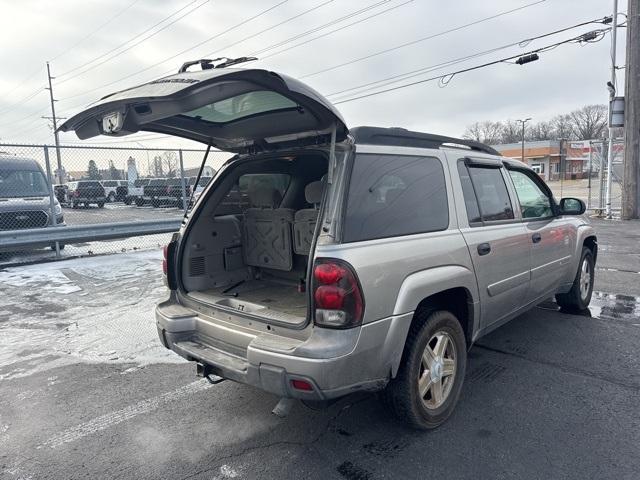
(334, 362)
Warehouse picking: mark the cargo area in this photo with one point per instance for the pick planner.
(248, 246)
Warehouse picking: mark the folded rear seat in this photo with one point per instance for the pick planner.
(267, 231)
(305, 220)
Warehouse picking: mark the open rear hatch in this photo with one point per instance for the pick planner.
(235, 110)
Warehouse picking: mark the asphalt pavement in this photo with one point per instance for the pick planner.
(86, 391)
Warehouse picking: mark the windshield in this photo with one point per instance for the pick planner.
(22, 183)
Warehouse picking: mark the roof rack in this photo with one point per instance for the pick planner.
(402, 137)
(207, 64)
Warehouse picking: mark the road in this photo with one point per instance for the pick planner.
(86, 391)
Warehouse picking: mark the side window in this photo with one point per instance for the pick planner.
(260, 186)
(470, 200)
(534, 202)
(393, 195)
(485, 194)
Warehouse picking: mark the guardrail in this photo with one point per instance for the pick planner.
(13, 240)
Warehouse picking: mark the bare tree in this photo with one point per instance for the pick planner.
(486, 132)
(562, 127)
(540, 131)
(589, 122)
(511, 132)
(169, 162)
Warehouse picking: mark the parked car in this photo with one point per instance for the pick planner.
(367, 259)
(156, 192)
(122, 191)
(61, 192)
(86, 192)
(111, 190)
(135, 192)
(25, 197)
(202, 183)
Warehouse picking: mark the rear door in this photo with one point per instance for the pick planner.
(551, 237)
(235, 110)
(497, 239)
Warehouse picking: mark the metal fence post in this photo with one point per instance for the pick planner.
(182, 182)
(52, 203)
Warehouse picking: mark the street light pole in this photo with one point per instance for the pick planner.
(523, 123)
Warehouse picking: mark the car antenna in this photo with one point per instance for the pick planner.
(195, 185)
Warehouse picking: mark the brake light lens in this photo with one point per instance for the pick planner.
(337, 295)
(168, 268)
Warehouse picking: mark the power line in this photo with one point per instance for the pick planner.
(326, 25)
(421, 71)
(182, 52)
(95, 30)
(447, 77)
(338, 20)
(429, 37)
(193, 47)
(132, 39)
(24, 100)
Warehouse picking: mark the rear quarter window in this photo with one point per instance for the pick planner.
(395, 195)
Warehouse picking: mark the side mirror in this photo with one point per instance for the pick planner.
(572, 206)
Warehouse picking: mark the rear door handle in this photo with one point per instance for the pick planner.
(536, 237)
(484, 248)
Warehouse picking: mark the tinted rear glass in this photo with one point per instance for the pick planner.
(240, 106)
(491, 192)
(392, 195)
(140, 183)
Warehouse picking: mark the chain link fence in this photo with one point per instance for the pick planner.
(582, 173)
(109, 190)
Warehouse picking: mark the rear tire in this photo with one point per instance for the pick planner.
(74, 205)
(139, 202)
(100, 204)
(579, 297)
(429, 380)
(127, 201)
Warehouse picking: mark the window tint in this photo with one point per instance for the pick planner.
(491, 192)
(243, 105)
(534, 203)
(470, 201)
(391, 195)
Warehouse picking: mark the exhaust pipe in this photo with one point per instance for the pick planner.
(283, 407)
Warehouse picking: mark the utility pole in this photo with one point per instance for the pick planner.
(612, 94)
(55, 124)
(631, 177)
(523, 122)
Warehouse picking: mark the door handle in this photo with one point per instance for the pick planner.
(536, 237)
(484, 248)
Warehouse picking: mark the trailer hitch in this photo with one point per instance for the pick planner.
(206, 371)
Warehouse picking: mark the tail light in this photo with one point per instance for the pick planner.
(167, 265)
(337, 295)
(75, 193)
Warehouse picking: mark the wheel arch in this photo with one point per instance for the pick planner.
(453, 289)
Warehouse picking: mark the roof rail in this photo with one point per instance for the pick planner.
(406, 138)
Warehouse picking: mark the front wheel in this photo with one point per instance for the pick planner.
(579, 297)
(100, 204)
(429, 380)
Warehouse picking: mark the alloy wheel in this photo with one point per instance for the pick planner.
(437, 370)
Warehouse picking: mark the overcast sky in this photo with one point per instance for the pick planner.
(87, 49)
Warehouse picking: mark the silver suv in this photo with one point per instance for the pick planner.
(322, 261)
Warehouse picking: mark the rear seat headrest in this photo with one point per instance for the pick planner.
(262, 196)
(313, 192)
